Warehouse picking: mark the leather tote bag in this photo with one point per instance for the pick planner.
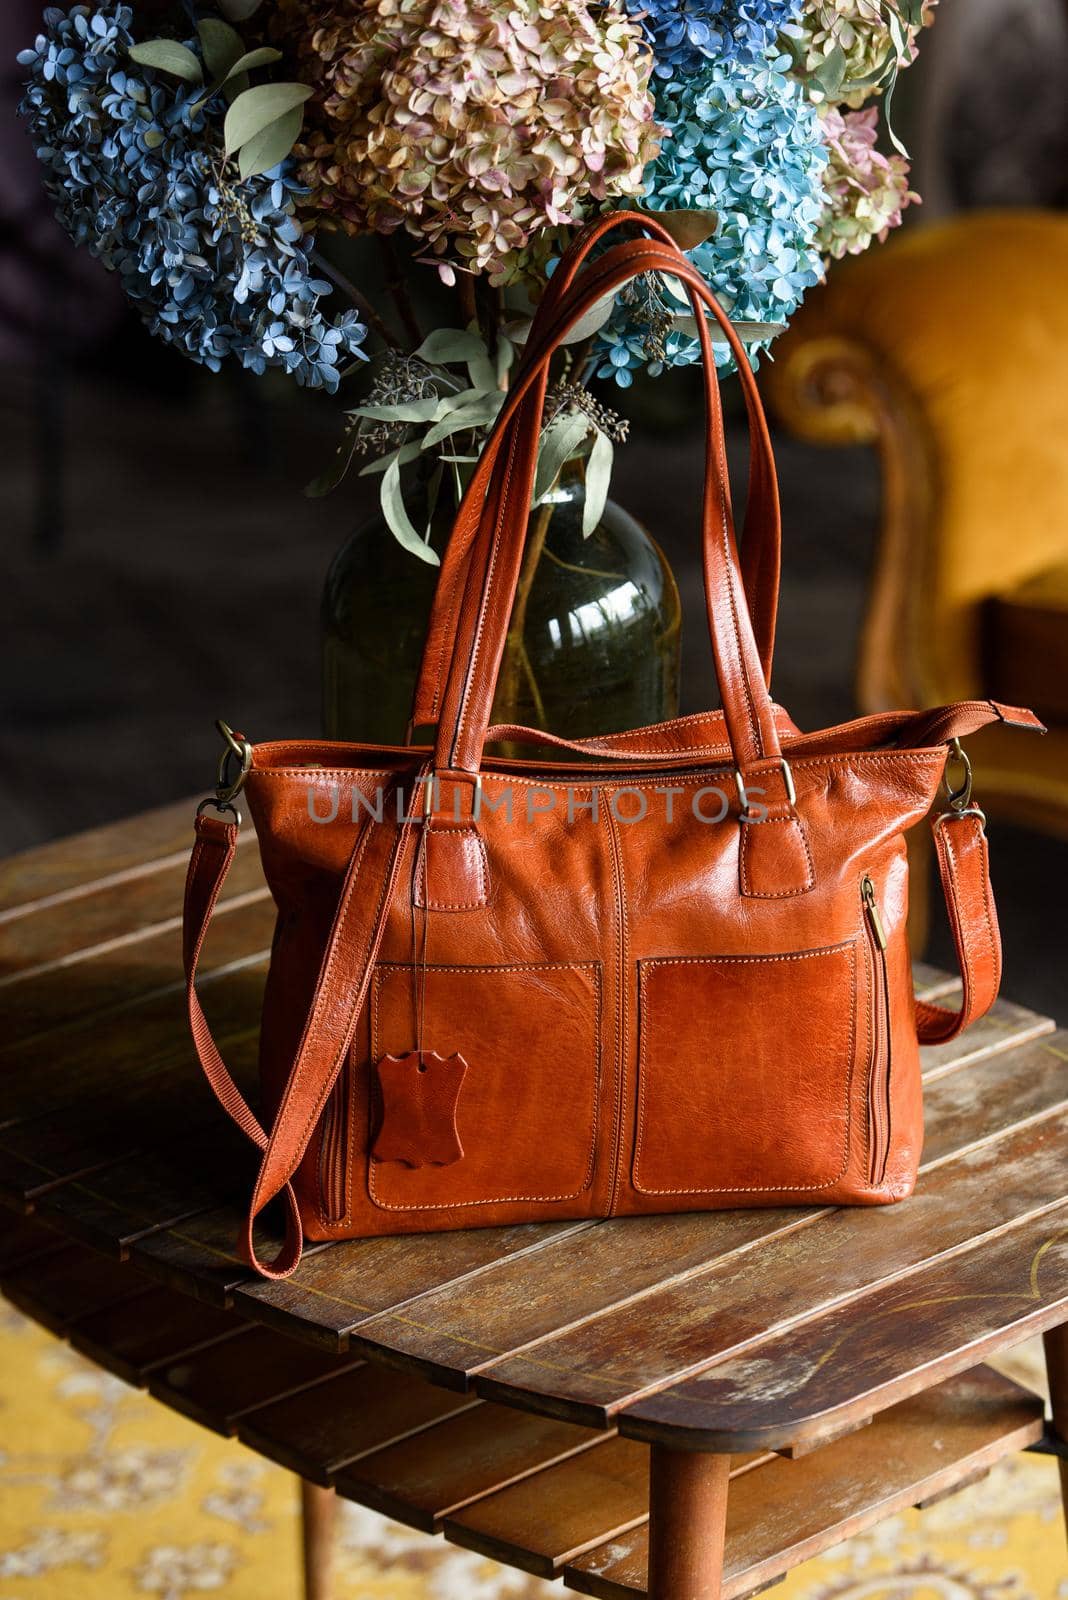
(661, 970)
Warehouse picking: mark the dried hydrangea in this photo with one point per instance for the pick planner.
(215, 267)
(861, 30)
(866, 190)
(685, 34)
(745, 142)
(479, 126)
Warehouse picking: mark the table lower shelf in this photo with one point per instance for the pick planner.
(545, 1496)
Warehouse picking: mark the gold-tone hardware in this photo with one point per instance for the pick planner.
(221, 806)
(788, 785)
(965, 811)
(237, 749)
(432, 794)
(871, 909)
(959, 795)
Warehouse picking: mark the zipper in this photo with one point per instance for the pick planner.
(332, 1150)
(879, 1068)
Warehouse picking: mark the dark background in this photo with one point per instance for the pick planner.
(163, 568)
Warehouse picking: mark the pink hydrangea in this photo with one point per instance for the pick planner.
(866, 191)
(479, 126)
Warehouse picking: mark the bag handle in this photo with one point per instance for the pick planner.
(503, 510)
(345, 974)
(760, 554)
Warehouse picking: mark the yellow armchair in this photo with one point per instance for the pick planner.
(948, 349)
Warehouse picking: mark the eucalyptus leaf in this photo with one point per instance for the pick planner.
(446, 345)
(463, 418)
(239, 10)
(406, 453)
(221, 44)
(167, 55)
(257, 108)
(234, 86)
(427, 410)
(266, 149)
(558, 444)
(398, 520)
(265, 56)
(504, 357)
(482, 373)
(748, 332)
(830, 73)
(888, 99)
(598, 481)
(687, 228)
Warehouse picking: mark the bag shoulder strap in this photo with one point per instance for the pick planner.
(341, 988)
(344, 978)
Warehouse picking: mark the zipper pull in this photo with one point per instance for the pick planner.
(867, 890)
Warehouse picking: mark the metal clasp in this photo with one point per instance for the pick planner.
(227, 784)
(959, 795)
(743, 795)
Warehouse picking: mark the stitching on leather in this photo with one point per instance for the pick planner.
(317, 1108)
(774, 894)
(849, 945)
(595, 970)
(817, 763)
(622, 1053)
(487, 590)
(960, 923)
(721, 452)
(482, 868)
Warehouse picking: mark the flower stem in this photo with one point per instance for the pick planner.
(359, 300)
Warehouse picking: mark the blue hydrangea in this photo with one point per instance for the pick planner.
(687, 34)
(216, 267)
(743, 141)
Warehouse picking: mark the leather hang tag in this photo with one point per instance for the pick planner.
(419, 1093)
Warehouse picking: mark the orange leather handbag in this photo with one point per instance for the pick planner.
(662, 970)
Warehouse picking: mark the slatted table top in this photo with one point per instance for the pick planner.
(737, 1332)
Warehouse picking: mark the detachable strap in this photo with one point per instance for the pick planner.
(964, 868)
(344, 978)
(340, 991)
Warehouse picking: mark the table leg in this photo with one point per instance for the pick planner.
(687, 1522)
(318, 1508)
(1056, 1342)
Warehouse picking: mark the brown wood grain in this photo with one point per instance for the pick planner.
(66, 933)
(335, 1292)
(547, 1520)
(789, 1511)
(485, 1448)
(220, 1384)
(613, 1356)
(319, 1430)
(112, 979)
(68, 868)
(861, 1357)
(160, 1186)
(61, 1286)
(132, 1337)
(74, 1067)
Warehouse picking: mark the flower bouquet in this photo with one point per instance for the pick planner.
(216, 154)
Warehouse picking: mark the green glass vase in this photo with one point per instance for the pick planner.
(593, 645)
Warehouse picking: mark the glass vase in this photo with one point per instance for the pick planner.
(593, 645)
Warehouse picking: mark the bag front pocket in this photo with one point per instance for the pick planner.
(527, 1111)
(744, 1071)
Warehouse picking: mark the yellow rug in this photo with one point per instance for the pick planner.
(105, 1495)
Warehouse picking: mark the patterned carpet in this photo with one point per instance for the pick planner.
(105, 1495)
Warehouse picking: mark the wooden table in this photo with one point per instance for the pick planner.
(665, 1405)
